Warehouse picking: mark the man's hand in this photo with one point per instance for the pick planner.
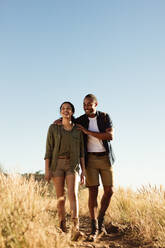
(107, 135)
(58, 122)
(110, 132)
(80, 127)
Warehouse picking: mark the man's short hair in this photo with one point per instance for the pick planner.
(93, 97)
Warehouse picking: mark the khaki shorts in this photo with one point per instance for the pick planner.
(63, 168)
(99, 165)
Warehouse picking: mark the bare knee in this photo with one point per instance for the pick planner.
(72, 196)
(93, 193)
(93, 190)
(61, 200)
(108, 191)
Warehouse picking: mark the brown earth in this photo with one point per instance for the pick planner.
(114, 239)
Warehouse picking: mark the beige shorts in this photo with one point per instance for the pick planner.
(63, 168)
(99, 165)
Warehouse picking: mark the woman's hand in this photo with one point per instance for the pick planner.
(48, 176)
(82, 178)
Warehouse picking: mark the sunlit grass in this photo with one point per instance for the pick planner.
(28, 214)
(143, 212)
(29, 218)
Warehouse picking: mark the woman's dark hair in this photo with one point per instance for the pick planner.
(73, 110)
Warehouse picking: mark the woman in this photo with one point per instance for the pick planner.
(64, 153)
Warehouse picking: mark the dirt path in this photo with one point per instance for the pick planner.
(114, 238)
(111, 240)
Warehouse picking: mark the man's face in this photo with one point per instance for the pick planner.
(90, 107)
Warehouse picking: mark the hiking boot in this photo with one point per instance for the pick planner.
(63, 226)
(75, 232)
(94, 231)
(101, 227)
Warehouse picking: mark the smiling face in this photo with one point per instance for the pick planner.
(66, 110)
(90, 106)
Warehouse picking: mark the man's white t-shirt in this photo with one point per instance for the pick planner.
(94, 144)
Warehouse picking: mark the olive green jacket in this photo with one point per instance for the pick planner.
(53, 144)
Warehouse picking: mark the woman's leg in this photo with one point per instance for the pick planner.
(72, 181)
(59, 183)
(72, 185)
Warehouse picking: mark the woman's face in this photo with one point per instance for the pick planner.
(66, 111)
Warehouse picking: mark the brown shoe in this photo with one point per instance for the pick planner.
(101, 227)
(75, 232)
(63, 226)
(94, 231)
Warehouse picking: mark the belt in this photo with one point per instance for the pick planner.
(98, 153)
(63, 157)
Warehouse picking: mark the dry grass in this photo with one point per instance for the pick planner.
(29, 219)
(142, 212)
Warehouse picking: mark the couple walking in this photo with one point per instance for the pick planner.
(84, 141)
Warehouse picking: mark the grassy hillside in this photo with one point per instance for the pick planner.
(29, 219)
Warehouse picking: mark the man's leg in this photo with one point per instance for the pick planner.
(92, 182)
(106, 174)
(92, 201)
(92, 204)
(105, 201)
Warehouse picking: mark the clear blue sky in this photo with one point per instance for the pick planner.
(52, 51)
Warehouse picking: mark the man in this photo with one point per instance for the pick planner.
(99, 157)
(98, 131)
